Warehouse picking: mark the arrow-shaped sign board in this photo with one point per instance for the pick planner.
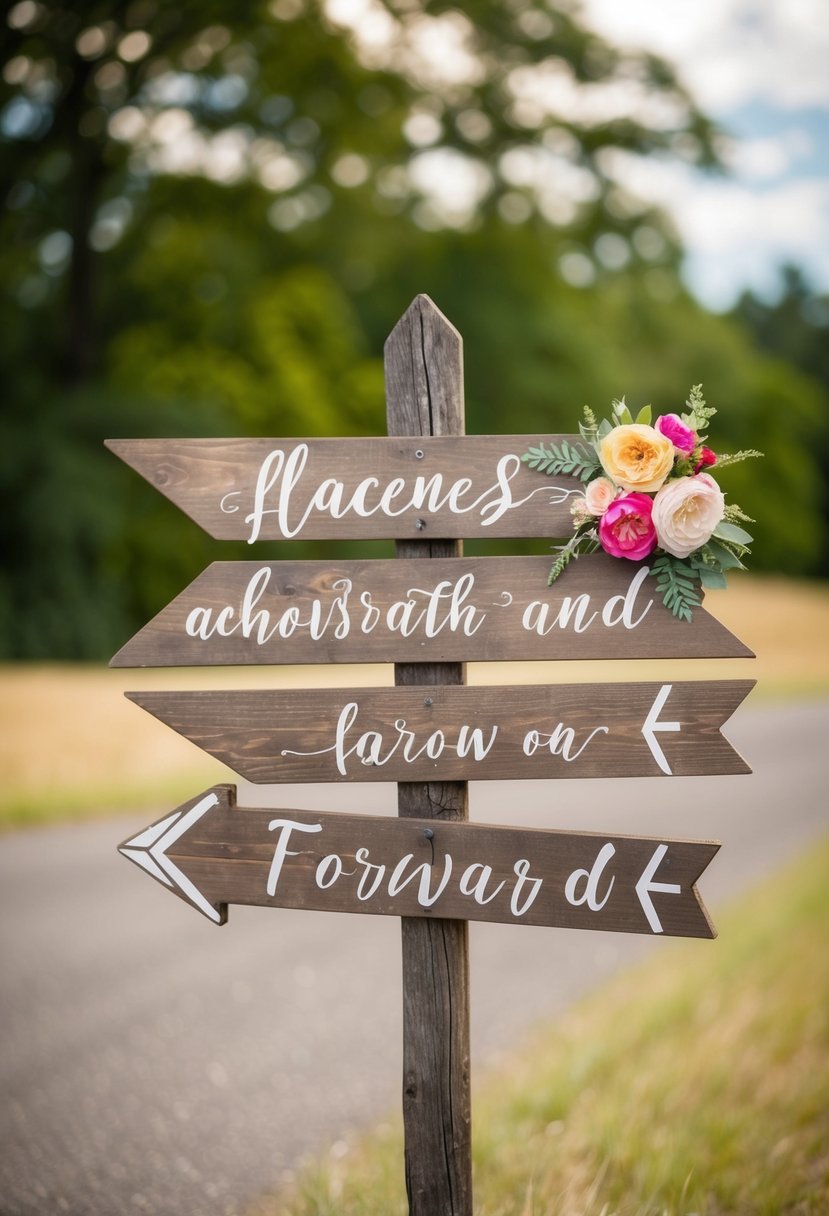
(379, 488)
(444, 733)
(213, 853)
(455, 609)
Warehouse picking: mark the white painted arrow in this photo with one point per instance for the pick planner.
(645, 886)
(149, 850)
(652, 725)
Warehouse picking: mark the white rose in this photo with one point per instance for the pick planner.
(686, 512)
(599, 494)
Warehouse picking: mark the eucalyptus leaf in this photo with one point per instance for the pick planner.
(732, 532)
(711, 578)
(645, 415)
(724, 557)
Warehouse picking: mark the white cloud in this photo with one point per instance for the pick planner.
(766, 57)
(737, 234)
(733, 51)
(768, 157)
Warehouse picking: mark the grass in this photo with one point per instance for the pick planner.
(695, 1085)
(71, 746)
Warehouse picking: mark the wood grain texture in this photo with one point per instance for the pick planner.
(423, 363)
(389, 867)
(453, 609)
(214, 480)
(443, 734)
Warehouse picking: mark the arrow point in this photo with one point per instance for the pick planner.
(148, 849)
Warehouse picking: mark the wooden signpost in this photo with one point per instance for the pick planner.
(428, 611)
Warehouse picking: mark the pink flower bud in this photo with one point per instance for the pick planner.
(680, 435)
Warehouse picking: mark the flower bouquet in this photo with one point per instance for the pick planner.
(648, 492)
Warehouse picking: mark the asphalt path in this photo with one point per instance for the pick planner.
(150, 1062)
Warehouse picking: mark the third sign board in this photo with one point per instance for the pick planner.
(444, 733)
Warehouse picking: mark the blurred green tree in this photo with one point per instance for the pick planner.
(795, 327)
(214, 213)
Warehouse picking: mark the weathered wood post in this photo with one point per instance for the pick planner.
(424, 396)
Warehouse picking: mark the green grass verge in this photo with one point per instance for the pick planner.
(695, 1085)
(77, 804)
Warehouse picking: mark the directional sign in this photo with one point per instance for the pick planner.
(392, 488)
(213, 853)
(444, 733)
(486, 608)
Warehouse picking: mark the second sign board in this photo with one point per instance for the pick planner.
(455, 609)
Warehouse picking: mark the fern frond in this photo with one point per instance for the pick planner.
(727, 458)
(677, 581)
(580, 542)
(567, 459)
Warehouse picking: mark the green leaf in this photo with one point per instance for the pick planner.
(621, 413)
(711, 578)
(729, 531)
(725, 558)
(605, 428)
(645, 415)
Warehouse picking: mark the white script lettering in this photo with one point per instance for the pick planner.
(280, 475)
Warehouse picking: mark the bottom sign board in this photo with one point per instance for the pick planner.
(213, 853)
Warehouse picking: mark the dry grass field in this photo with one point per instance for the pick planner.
(71, 745)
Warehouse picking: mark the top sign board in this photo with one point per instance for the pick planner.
(376, 488)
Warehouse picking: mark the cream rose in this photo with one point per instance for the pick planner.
(686, 512)
(637, 457)
(599, 494)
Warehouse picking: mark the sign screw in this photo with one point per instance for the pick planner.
(420, 524)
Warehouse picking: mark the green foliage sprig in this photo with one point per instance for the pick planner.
(724, 459)
(677, 581)
(557, 459)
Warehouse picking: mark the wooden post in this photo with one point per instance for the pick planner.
(424, 396)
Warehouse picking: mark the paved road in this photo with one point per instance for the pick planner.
(152, 1063)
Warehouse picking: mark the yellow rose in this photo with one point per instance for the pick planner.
(636, 457)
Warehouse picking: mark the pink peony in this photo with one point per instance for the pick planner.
(599, 495)
(680, 435)
(626, 528)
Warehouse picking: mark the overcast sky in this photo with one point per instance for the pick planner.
(761, 68)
